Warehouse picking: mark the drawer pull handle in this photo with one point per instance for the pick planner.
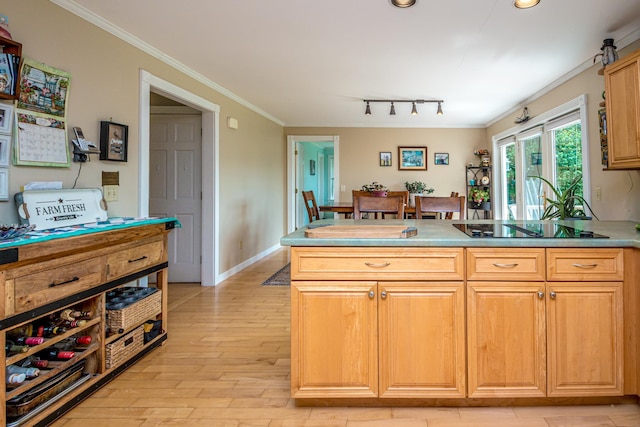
(373, 265)
(75, 279)
(514, 265)
(585, 266)
(138, 259)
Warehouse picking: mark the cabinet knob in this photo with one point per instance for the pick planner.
(540, 294)
(552, 295)
(372, 294)
(383, 295)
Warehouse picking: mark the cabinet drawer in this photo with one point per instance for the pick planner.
(377, 263)
(67, 278)
(584, 265)
(505, 264)
(130, 260)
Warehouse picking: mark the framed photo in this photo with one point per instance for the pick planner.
(441, 159)
(312, 167)
(385, 158)
(412, 158)
(5, 147)
(4, 184)
(6, 117)
(113, 141)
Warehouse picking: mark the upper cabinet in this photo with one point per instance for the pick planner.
(13, 48)
(622, 86)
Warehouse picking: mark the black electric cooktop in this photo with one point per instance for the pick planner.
(527, 230)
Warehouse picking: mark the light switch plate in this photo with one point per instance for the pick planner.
(110, 193)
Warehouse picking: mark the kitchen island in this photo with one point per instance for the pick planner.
(444, 318)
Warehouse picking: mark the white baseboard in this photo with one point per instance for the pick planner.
(247, 263)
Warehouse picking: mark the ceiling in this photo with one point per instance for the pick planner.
(312, 62)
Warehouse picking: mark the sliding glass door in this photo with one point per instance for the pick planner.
(552, 150)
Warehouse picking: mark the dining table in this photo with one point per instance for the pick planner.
(346, 209)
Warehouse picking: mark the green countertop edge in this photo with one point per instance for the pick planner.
(81, 230)
(441, 233)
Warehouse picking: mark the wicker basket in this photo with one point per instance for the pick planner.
(121, 350)
(135, 313)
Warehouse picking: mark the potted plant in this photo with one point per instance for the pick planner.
(479, 198)
(417, 188)
(568, 204)
(376, 189)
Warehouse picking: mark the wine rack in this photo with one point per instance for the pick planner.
(34, 267)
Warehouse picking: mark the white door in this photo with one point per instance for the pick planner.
(301, 211)
(175, 188)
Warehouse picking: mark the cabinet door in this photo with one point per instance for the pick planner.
(506, 339)
(622, 88)
(334, 346)
(585, 339)
(421, 334)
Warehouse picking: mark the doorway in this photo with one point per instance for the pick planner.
(307, 158)
(176, 187)
(209, 270)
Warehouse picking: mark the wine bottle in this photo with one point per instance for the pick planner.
(53, 353)
(71, 343)
(28, 372)
(15, 378)
(49, 331)
(71, 314)
(11, 348)
(26, 330)
(69, 324)
(33, 361)
(28, 341)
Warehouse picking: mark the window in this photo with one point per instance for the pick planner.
(553, 146)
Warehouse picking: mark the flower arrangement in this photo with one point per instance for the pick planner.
(418, 187)
(374, 186)
(478, 196)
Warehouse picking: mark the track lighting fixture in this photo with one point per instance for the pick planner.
(414, 109)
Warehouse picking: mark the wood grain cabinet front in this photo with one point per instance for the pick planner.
(136, 258)
(377, 263)
(55, 280)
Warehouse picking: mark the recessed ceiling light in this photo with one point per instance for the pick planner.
(403, 3)
(525, 4)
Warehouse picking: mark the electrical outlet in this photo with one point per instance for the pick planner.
(240, 244)
(598, 193)
(110, 193)
(343, 187)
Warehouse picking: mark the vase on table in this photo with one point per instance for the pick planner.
(412, 199)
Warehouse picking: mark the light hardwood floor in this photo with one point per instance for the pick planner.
(226, 363)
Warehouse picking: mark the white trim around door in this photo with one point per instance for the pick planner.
(210, 273)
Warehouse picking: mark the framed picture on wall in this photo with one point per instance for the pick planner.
(5, 149)
(441, 158)
(6, 117)
(385, 158)
(113, 141)
(412, 158)
(312, 167)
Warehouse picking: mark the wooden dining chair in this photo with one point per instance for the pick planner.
(449, 215)
(311, 205)
(442, 205)
(378, 205)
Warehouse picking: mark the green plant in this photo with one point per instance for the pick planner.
(418, 187)
(374, 186)
(478, 195)
(566, 203)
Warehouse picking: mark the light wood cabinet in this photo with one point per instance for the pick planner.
(421, 339)
(491, 323)
(334, 343)
(383, 338)
(622, 89)
(585, 322)
(40, 279)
